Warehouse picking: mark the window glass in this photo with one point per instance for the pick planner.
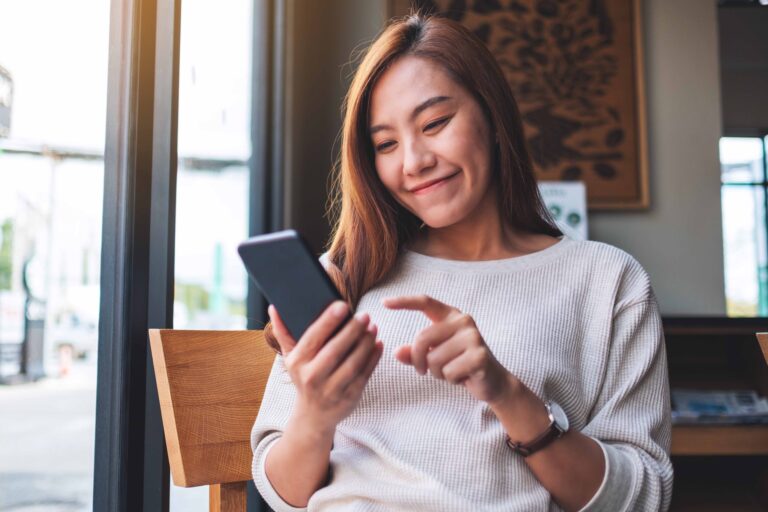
(741, 159)
(53, 84)
(745, 259)
(213, 177)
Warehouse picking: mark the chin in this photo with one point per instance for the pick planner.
(443, 219)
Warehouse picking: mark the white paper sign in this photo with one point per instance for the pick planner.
(567, 202)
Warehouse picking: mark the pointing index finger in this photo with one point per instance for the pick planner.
(433, 308)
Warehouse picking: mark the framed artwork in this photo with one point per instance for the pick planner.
(576, 70)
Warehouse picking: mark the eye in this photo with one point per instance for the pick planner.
(385, 145)
(436, 123)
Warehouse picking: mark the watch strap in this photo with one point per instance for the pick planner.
(553, 431)
(526, 449)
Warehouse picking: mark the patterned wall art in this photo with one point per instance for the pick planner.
(575, 67)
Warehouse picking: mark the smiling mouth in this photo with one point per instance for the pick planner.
(432, 185)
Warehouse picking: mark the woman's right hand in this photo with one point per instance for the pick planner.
(329, 374)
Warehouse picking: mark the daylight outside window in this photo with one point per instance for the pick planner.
(743, 193)
(214, 148)
(53, 85)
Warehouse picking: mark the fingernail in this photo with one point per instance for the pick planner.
(372, 328)
(340, 309)
(362, 317)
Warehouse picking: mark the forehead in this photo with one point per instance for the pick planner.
(407, 83)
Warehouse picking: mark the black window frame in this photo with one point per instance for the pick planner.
(137, 263)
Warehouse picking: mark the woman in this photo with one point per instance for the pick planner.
(518, 369)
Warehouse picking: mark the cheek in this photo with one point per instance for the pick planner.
(388, 173)
(480, 154)
(465, 142)
(472, 155)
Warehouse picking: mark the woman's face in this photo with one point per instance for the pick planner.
(432, 142)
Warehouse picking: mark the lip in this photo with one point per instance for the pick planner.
(432, 184)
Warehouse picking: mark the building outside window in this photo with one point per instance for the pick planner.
(53, 77)
(53, 95)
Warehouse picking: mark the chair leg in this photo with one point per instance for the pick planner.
(228, 497)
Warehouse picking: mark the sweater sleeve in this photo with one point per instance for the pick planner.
(274, 413)
(631, 419)
(275, 410)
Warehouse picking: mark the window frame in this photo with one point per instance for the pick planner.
(137, 262)
(130, 461)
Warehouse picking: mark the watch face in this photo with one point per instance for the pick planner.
(559, 415)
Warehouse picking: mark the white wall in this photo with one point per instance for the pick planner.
(679, 239)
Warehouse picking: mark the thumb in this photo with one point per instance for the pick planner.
(284, 338)
(403, 354)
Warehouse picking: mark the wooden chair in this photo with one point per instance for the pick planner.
(210, 385)
(762, 339)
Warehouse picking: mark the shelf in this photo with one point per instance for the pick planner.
(720, 484)
(718, 468)
(720, 440)
(713, 326)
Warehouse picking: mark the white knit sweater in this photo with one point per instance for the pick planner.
(577, 322)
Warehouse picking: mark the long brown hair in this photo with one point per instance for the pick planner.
(370, 226)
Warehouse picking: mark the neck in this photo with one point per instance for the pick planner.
(480, 236)
(463, 243)
(483, 235)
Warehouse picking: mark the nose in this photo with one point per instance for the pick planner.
(417, 157)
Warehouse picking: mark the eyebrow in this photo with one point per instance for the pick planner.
(416, 111)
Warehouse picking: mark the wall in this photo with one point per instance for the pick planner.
(678, 240)
(744, 70)
(321, 35)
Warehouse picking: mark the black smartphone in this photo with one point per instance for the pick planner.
(290, 277)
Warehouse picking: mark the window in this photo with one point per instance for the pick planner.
(53, 89)
(213, 176)
(744, 190)
(154, 169)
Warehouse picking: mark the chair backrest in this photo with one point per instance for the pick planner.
(210, 385)
(762, 338)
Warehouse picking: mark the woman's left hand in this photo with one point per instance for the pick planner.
(452, 349)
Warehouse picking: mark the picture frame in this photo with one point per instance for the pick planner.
(576, 69)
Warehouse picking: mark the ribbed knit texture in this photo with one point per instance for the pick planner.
(577, 322)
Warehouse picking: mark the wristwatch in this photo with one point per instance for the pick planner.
(557, 427)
